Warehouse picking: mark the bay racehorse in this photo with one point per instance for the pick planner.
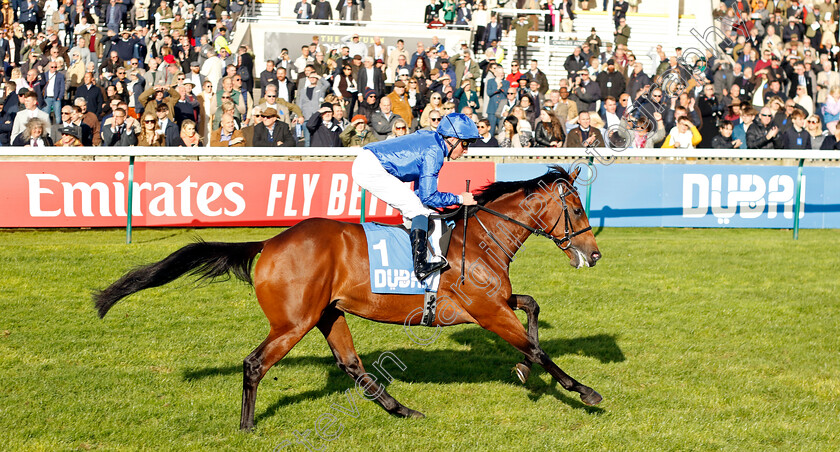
(315, 272)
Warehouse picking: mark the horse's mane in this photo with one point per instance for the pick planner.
(494, 191)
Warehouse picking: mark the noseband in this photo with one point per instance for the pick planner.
(569, 231)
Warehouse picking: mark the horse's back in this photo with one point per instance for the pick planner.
(311, 261)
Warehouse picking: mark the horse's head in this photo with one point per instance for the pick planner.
(548, 206)
(561, 215)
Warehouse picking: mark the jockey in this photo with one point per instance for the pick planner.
(382, 168)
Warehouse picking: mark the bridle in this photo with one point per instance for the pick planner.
(568, 229)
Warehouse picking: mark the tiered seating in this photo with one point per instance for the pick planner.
(647, 31)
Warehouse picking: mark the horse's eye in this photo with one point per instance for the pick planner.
(578, 211)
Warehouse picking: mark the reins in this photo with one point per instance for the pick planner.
(568, 229)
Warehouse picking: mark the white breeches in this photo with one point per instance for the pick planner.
(369, 174)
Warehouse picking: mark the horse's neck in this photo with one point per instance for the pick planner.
(510, 236)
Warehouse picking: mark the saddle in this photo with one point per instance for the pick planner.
(391, 269)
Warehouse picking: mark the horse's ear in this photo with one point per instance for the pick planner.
(574, 174)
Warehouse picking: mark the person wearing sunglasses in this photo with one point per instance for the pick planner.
(400, 129)
(762, 134)
(383, 168)
(486, 138)
(813, 125)
(435, 105)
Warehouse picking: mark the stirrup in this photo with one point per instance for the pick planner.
(430, 269)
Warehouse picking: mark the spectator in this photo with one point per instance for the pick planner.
(620, 8)
(567, 14)
(52, 85)
(397, 58)
(583, 135)
(513, 77)
(486, 138)
(496, 88)
(70, 137)
(586, 92)
(158, 95)
(434, 120)
(33, 134)
(358, 134)
(463, 14)
(832, 141)
(739, 131)
(370, 77)
(149, 134)
(831, 109)
(120, 131)
(399, 102)
(622, 32)
(522, 27)
(610, 82)
(272, 133)
(550, 131)
(30, 103)
(725, 140)
(323, 12)
(610, 113)
(814, 128)
(505, 108)
(510, 136)
(465, 96)
(304, 11)
(529, 114)
(796, 137)
(535, 74)
(761, 135)
(324, 128)
(803, 100)
(431, 11)
(465, 67)
(309, 97)
(383, 120)
(492, 32)
(189, 137)
(344, 86)
(399, 129)
(227, 135)
(711, 111)
(369, 104)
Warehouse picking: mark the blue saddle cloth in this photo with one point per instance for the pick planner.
(391, 264)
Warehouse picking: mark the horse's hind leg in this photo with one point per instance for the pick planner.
(532, 310)
(509, 328)
(334, 327)
(272, 349)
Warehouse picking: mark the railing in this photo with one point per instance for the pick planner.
(587, 156)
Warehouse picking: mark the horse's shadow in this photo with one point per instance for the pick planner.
(487, 359)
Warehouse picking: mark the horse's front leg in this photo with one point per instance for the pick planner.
(509, 328)
(532, 310)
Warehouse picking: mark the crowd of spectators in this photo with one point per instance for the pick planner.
(160, 73)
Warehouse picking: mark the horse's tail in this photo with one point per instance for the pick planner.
(207, 260)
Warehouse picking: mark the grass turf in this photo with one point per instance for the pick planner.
(697, 339)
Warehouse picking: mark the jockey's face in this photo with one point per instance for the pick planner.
(459, 149)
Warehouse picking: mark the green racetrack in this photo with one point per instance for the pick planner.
(698, 339)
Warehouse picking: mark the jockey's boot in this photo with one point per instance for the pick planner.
(419, 247)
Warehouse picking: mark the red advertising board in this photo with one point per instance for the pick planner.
(168, 193)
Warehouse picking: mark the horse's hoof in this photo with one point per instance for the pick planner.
(415, 414)
(522, 371)
(592, 398)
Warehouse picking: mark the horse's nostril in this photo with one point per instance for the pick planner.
(596, 255)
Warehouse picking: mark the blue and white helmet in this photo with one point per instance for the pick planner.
(458, 125)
